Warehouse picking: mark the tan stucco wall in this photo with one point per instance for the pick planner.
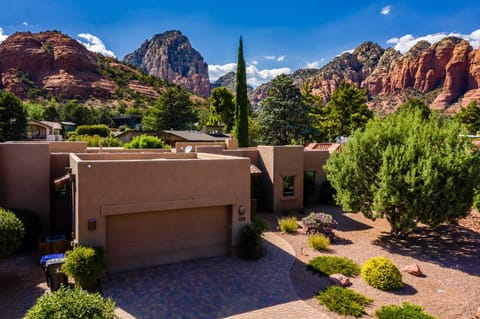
(314, 161)
(119, 186)
(25, 178)
(277, 162)
(67, 147)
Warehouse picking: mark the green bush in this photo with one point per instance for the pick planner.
(146, 141)
(94, 140)
(84, 264)
(328, 265)
(288, 224)
(251, 242)
(344, 301)
(33, 226)
(381, 273)
(406, 311)
(72, 304)
(11, 233)
(100, 129)
(319, 242)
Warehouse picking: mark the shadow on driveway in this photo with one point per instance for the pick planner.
(209, 288)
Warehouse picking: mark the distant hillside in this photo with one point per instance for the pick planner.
(52, 64)
(445, 75)
(229, 81)
(170, 56)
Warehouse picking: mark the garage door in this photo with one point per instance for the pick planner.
(147, 239)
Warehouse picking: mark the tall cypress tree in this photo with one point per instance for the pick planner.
(241, 100)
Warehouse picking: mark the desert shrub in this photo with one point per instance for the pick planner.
(251, 243)
(381, 273)
(328, 265)
(320, 222)
(319, 242)
(84, 264)
(94, 140)
(11, 233)
(406, 311)
(32, 224)
(344, 301)
(145, 141)
(100, 129)
(288, 224)
(73, 304)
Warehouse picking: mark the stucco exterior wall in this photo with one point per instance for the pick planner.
(116, 186)
(276, 162)
(25, 178)
(314, 161)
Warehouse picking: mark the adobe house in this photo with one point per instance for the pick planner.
(150, 207)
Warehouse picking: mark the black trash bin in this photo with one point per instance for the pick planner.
(53, 275)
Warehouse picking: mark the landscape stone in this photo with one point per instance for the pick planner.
(340, 279)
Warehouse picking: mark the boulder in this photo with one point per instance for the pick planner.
(340, 280)
(413, 269)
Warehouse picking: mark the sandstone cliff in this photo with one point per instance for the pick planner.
(52, 63)
(171, 57)
(229, 81)
(445, 75)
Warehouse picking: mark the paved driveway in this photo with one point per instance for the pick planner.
(223, 287)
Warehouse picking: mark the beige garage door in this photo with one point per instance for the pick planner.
(147, 239)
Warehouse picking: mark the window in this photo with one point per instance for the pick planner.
(288, 186)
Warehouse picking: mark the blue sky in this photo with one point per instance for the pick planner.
(279, 36)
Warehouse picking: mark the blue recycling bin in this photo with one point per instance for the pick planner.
(52, 264)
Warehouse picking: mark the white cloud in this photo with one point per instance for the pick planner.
(254, 62)
(216, 71)
(94, 44)
(2, 35)
(386, 10)
(255, 77)
(404, 43)
(25, 23)
(270, 57)
(281, 58)
(315, 64)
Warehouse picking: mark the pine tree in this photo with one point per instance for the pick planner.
(241, 100)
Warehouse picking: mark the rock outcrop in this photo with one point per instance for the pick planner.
(54, 63)
(170, 56)
(445, 75)
(229, 81)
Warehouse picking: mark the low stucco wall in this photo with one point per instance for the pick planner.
(114, 187)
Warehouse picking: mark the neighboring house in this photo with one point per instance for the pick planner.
(151, 207)
(44, 130)
(131, 120)
(68, 127)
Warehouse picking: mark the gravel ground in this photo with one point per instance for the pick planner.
(449, 257)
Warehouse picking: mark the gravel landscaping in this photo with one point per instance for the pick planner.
(449, 257)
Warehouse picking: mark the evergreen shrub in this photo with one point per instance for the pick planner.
(11, 233)
(381, 273)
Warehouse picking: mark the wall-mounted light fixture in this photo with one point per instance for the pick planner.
(92, 224)
(241, 210)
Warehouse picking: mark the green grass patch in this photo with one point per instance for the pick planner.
(288, 224)
(344, 301)
(328, 265)
(319, 242)
(406, 311)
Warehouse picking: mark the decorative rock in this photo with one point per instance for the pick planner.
(340, 279)
(413, 269)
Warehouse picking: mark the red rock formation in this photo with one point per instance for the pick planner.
(55, 62)
(449, 71)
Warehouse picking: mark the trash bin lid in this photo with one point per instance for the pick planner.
(45, 258)
(54, 261)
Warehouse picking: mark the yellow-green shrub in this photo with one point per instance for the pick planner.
(288, 224)
(319, 242)
(381, 273)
